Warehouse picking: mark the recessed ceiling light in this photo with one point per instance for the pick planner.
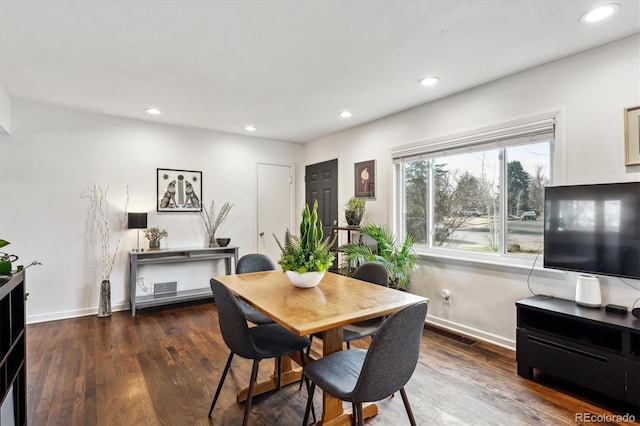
(429, 81)
(345, 114)
(250, 128)
(153, 111)
(599, 13)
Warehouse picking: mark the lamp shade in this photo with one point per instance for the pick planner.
(136, 220)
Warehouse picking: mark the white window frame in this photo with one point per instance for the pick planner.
(497, 137)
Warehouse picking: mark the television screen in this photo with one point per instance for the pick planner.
(593, 229)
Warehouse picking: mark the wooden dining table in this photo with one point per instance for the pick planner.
(326, 308)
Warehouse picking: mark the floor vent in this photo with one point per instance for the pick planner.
(169, 288)
(450, 335)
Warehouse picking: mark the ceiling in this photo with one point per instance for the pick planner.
(287, 67)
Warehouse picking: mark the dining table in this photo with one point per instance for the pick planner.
(337, 300)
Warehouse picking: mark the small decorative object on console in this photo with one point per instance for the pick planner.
(223, 242)
(154, 235)
(616, 309)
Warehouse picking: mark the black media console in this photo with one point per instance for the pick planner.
(13, 376)
(587, 346)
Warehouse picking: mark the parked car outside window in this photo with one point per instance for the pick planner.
(529, 215)
(469, 212)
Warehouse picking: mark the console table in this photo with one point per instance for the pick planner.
(181, 255)
(587, 346)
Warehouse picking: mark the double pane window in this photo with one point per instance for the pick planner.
(488, 197)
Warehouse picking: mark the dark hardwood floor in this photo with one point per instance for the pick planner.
(162, 367)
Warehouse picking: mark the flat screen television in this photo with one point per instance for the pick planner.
(593, 229)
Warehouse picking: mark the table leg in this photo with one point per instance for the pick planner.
(332, 411)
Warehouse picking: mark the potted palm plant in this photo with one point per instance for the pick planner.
(306, 258)
(398, 260)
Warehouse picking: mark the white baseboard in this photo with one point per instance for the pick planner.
(473, 332)
(55, 316)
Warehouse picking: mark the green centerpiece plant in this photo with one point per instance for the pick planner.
(308, 253)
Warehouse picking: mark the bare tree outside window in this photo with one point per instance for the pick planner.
(467, 199)
(527, 170)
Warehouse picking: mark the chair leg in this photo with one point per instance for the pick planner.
(354, 415)
(360, 414)
(407, 406)
(302, 379)
(348, 345)
(224, 375)
(309, 404)
(310, 342)
(305, 379)
(254, 376)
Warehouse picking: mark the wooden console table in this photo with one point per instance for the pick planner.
(182, 255)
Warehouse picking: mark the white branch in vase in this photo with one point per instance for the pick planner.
(100, 210)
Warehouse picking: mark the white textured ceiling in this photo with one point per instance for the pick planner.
(286, 66)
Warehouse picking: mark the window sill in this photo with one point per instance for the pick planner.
(517, 265)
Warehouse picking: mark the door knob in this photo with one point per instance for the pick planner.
(262, 233)
(335, 223)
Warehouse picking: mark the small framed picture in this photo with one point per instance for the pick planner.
(365, 179)
(632, 135)
(179, 190)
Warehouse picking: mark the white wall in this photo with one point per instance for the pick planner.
(54, 153)
(5, 112)
(587, 93)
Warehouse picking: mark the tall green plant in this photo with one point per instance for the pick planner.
(309, 252)
(397, 260)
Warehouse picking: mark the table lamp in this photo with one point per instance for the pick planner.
(137, 221)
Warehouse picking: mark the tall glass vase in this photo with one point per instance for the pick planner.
(104, 307)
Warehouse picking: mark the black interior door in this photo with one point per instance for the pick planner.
(321, 183)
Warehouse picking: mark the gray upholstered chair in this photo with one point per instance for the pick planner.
(375, 273)
(256, 343)
(254, 262)
(360, 375)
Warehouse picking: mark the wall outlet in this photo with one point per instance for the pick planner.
(446, 295)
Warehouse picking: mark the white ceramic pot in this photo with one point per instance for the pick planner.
(306, 279)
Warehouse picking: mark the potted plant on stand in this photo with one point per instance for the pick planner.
(305, 259)
(397, 260)
(354, 210)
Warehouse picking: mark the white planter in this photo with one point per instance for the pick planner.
(306, 279)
